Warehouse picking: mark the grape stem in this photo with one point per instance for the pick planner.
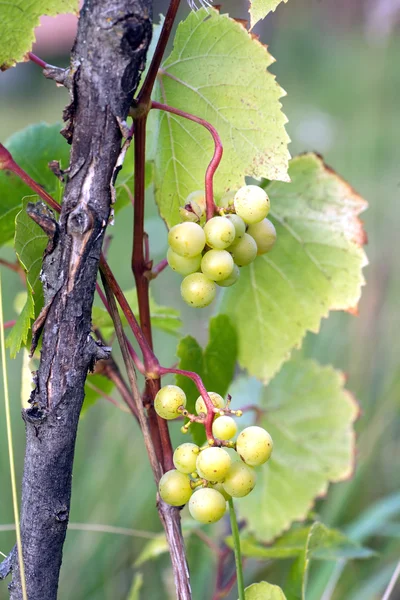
(236, 548)
(38, 61)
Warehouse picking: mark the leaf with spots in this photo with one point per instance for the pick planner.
(259, 9)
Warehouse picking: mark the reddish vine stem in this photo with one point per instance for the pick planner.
(216, 159)
(159, 268)
(38, 61)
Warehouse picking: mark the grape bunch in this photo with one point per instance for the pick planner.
(211, 253)
(207, 477)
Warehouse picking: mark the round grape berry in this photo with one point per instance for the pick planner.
(187, 239)
(215, 398)
(240, 480)
(227, 199)
(264, 235)
(251, 203)
(239, 224)
(197, 290)
(185, 457)
(224, 428)
(168, 400)
(220, 233)
(207, 505)
(197, 201)
(244, 251)
(232, 279)
(217, 265)
(213, 464)
(181, 264)
(175, 488)
(254, 445)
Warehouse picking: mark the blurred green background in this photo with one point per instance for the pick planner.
(339, 63)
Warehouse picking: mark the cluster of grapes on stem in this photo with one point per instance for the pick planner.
(209, 476)
(210, 253)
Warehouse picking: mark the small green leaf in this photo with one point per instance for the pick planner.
(153, 549)
(137, 584)
(315, 266)
(190, 355)
(310, 417)
(220, 71)
(19, 334)
(95, 384)
(260, 8)
(264, 591)
(18, 22)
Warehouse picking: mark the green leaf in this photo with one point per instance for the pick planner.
(264, 591)
(260, 8)
(153, 549)
(19, 334)
(310, 417)
(315, 266)
(220, 71)
(137, 585)
(19, 20)
(216, 365)
(32, 149)
(93, 385)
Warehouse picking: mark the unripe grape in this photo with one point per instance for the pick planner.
(217, 264)
(240, 480)
(207, 505)
(264, 235)
(220, 233)
(232, 279)
(175, 488)
(187, 239)
(215, 398)
(185, 457)
(254, 445)
(244, 251)
(251, 203)
(239, 225)
(213, 464)
(220, 488)
(197, 290)
(227, 199)
(181, 264)
(224, 428)
(197, 201)
(168, 400)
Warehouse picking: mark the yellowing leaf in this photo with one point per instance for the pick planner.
(260, 8)
(264, 591)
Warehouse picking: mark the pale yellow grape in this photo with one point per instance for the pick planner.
(254, 445)
(240, 480)
(251, 203)
(232, 279)
(167, 401)
(197, 290)
(220, 488)
(197, 201)
(213, 464)
(187, 239)
(217, 264)
(185, 457)
(215, 398)
(227, 199)
(244, 251)
(207, 505)
(175, 488)
(181, 264)
(264, 235)
(224, 428)
(219, 232)
(239, 224)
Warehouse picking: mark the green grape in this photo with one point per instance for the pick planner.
(207, 505)
(168, 400)
(185, 457)
(245, 251)
(197, 201)
(215, 398)
(220, 488)
(187, 239)
(217, 265)
(232, 279)
(220, 233)
(197, 290)
(227, 199)
(213, 464)
(224, 428)
(175, 488)
(254, 445)
(264, 235)
(182, 265)
(240, 480)
(239, 225)
(251, 203)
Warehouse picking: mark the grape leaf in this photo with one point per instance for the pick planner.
(220, 71)
(260, 8)
(216, 365)
(19, 20)
(310, 417)
(264, 591)
(315, 266)
(93, 385)
(19, 334)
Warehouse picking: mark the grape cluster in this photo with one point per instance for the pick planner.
(209, 476)
(210, 254)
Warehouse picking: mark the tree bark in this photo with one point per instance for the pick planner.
(107, 60)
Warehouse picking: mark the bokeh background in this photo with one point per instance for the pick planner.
(339, 63)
